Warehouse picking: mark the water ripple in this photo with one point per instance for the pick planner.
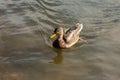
(26, 51)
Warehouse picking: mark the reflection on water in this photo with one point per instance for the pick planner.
(58, 59)
(26, 52)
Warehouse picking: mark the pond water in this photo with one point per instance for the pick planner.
(26, 52)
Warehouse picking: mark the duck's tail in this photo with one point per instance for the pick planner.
(80, 27)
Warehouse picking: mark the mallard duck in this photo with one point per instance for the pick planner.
(68, 38)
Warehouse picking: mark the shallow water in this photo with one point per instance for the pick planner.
(26, 52)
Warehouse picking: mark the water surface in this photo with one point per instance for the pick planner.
(26, 52)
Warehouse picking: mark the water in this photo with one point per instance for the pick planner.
(26, 52)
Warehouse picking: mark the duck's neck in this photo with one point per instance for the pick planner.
(62, 43)
(60, 36)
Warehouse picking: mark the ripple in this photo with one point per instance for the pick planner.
(112, 11)
(52, 3)
(26, 51)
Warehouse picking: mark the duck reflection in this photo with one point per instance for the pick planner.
(58, 59)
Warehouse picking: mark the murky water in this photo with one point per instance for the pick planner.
(26, 52)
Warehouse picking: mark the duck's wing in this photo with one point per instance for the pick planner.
(73, 32)
(70, 33)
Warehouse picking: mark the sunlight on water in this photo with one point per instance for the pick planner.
(26, 52)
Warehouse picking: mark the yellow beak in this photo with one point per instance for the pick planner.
(52, 35)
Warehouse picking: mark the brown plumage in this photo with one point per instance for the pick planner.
(69, 38)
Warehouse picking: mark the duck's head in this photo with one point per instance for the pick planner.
(57, 31)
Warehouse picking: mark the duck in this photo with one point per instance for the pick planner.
(66, 39)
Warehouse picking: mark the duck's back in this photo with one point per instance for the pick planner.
(71, 33)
